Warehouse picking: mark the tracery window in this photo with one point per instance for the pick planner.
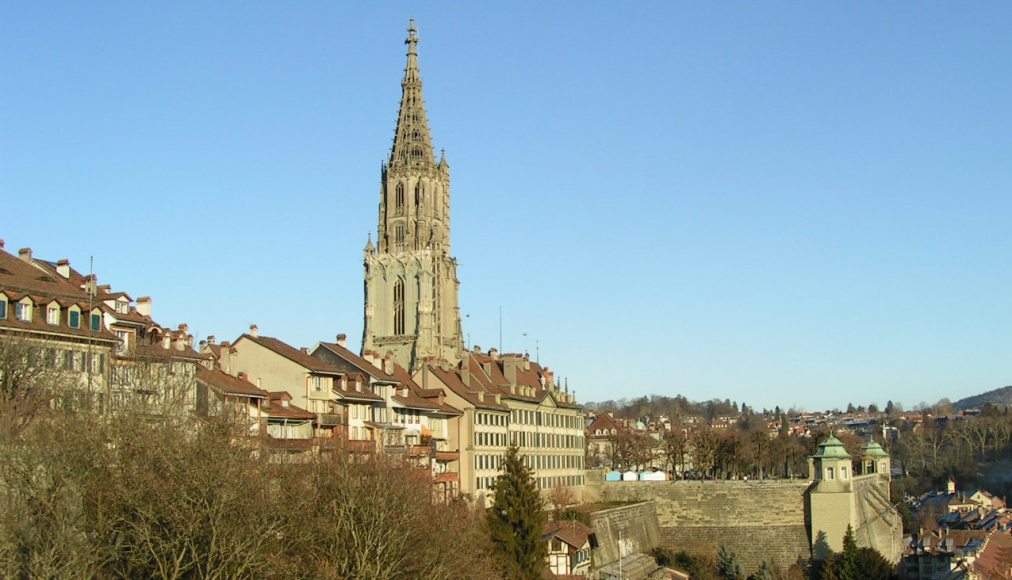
(399, 307)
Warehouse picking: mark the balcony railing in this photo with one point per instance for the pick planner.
(447, 455)
(362, 446)
(289, 444)
(446, 477)
(419, 450)
(329, 420)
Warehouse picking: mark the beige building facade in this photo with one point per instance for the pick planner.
(411, 286)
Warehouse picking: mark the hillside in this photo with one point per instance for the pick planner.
(1000, 397)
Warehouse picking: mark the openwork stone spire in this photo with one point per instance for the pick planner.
(412, 140)
(411, 287)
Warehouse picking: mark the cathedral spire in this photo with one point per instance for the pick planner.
(412, 140)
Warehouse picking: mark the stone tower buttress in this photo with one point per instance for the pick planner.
(411, 307)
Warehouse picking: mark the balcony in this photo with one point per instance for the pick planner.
(363, 446)
(419, 451)
(289, 444)
(329, 420)
(447, 455)
(446, 477)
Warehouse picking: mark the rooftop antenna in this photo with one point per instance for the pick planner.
(500, 328)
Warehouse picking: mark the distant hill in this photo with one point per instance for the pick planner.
(1000, 397)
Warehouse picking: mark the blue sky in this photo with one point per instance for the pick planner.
(782, 203)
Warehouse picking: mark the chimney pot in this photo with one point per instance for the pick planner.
(144, 306)
(243, 376)
(25, 254)
(211, 339)
(253, 330)
(305, 349)
(1, 244)
(63, 268)
(342, 340)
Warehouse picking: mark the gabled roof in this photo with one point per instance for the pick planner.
(571, 532)
(291, 353)
(226, 384)
(605, 423)
(358, 362)
(451, 378)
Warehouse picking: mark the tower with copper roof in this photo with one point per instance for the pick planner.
(411, 285)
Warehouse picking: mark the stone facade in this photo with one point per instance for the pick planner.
(756, 519)
(411, 286)
(625, 530)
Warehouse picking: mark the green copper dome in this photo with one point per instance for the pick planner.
(873, 449)
(831, 448)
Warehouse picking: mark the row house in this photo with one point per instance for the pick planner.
(509, 400)
(416, 422)
(58, 324)
(328, 398)
(104, 350)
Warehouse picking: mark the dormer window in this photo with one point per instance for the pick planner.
(23, 310)
(122, 307)
(96, 322)
(53, 315)
(3, 308)
(74, 319)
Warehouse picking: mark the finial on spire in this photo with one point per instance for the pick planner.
(412, 40)
(369, 248)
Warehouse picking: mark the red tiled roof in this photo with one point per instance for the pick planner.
(451, 378)
(571, 532)
(995, 560)
(229, 385)
(291, 353)
(359, 362)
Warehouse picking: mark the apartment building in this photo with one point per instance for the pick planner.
(509, 400)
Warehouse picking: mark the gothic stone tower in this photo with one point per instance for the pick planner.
(411, 281)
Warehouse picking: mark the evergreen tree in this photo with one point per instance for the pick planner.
(848, 559)
(516, 521)
(765, 572)
(728, 566)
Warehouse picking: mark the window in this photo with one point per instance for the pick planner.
(317, 383)
(23, 311)
(124, 338)
(830, 473)
(399, 237)
(53, 315)
(96, 322)
(121, 307)
(843, 473)
(399, 307)
(3, 309)
(399, 197)
(74, 319)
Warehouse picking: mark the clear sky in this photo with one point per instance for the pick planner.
(780, 203)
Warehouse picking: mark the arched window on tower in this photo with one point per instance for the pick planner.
(399, 237)
(418, 194)
(399, 307)
(399, 200)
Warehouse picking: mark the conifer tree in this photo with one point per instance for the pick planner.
(516, 521)
(848, 559)
(765, 572)
(728, 565)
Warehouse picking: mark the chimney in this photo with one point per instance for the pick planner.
(203, 344)
(527, 362)
(211, 339)
(25, 254)
(243, 376)
(465, 370)
(1, 244)
(144, 306)
(305, 350)
(388, 363)
(493, 353)
(63, 268)
(180, 341)
(253, 330)
(166, 341)
(342, 340)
